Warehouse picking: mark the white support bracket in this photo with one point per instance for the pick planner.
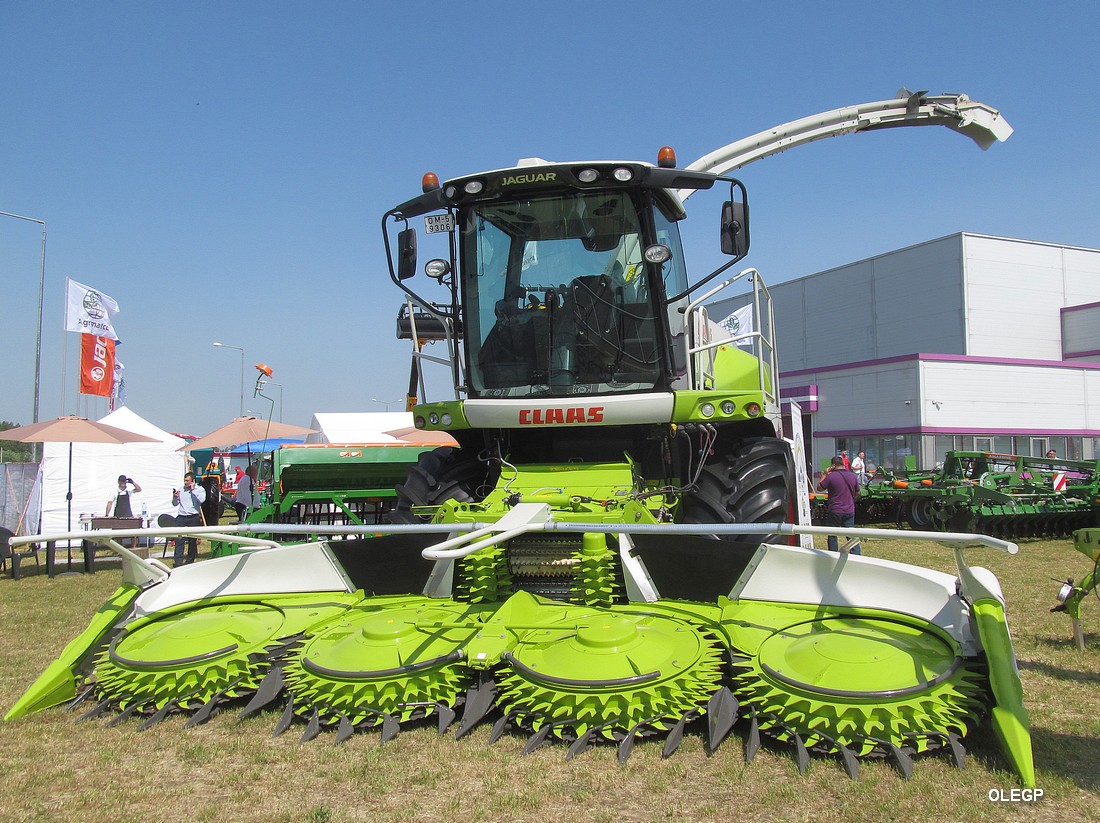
(523, 518)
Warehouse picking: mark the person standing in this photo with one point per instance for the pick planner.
(188, 505)
(243, 498)
(843, 488)
(120, 498)
(859, 468)
(844, 458)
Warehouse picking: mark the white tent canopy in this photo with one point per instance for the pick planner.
(357, 427)
(156, 467)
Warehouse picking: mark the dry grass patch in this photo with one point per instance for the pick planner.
(230, 770)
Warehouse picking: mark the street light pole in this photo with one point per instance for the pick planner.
(241, 350)
(38, 337)
(388, 403)
(280, 386)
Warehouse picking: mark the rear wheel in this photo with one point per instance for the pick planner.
(749, 484)
(920, 514)
(443, 474)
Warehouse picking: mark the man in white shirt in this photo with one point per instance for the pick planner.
(243, 499)
(859, 468)
(188, 505)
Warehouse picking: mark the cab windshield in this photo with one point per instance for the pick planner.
(557, 297)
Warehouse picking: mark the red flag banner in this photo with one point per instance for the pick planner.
(97, 365)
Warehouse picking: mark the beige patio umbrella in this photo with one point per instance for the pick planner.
(246, 430)
(72, 429)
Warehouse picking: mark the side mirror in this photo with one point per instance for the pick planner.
(735, 228)
(406, 254)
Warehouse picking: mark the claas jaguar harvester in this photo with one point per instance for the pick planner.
(604, 558)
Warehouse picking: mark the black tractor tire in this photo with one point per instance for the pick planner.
(750, 483)
(446, 473)
(919, 514)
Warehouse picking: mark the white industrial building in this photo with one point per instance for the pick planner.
(964, 342)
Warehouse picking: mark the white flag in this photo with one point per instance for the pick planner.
(119, 385)
(739, 322)
(89, 311)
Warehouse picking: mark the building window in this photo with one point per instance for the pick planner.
(893, 453)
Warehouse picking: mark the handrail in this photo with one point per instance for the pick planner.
(453, 361)
(237, 531)
(763, 346)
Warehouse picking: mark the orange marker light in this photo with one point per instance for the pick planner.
(666, 158)
(430, 182)
(264, 369)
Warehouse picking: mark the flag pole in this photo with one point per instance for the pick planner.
(38, 336)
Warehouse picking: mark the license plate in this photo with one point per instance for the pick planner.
(438, 222)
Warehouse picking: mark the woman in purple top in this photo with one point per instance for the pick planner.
(843, 488)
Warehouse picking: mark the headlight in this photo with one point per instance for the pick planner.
(622, 174)
(445, 419)
(436, 268)
(474, 187)
(728, 407)
(658, 253)
(588, 175)
(707, 410)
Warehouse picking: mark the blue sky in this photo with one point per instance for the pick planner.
(221, 168)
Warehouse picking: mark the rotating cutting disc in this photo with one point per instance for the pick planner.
(403, 661)
(609, 672)
(189, 658)
(860, 682)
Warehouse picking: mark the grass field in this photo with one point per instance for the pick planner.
(52, 768)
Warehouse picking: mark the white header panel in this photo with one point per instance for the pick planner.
(579, 410)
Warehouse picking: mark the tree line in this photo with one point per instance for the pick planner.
(12, 451)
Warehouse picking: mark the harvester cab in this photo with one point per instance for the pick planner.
(569, 278)
(574, 335)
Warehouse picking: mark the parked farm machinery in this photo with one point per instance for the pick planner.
(331, 484)
(601, 559)
(1008, 496)
(878, 501)
(1071, 595)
